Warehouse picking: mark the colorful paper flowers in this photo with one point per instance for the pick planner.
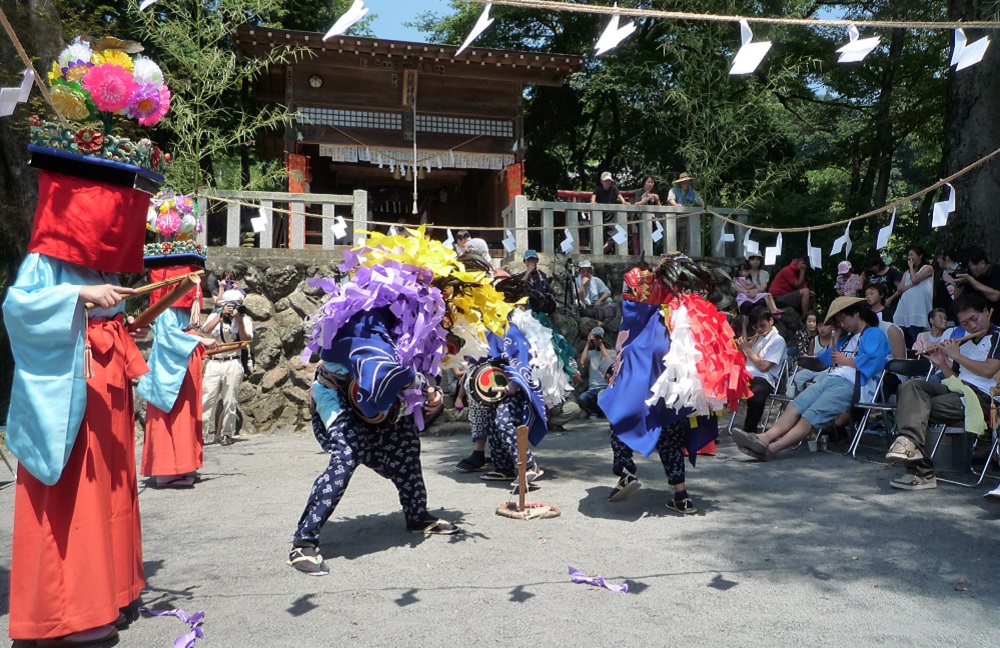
(92, 77)
(172, 216)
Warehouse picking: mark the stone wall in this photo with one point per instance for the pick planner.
(274, 398)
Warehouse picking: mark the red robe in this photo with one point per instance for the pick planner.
(173, 442)
(77, 553)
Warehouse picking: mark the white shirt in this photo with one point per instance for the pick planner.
(982, 349)
(771, 348)
(231, 334)
(850, 350)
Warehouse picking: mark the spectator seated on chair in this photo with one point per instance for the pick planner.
(822, 342)
(940, 331)
(968, 368)
(856, 362)
(765, 356)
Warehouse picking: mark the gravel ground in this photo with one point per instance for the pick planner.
(811, 549)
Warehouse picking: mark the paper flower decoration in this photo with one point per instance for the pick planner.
(173, 217)
(104, 79)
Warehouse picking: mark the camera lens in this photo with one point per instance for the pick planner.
(241, 309)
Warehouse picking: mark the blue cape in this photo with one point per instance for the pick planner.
(365, 347)
(514, 353)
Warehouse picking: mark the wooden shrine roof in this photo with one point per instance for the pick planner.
(475, 62)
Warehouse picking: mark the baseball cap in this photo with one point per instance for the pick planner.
(597, 331)
(585, 264)
(843, 266)
(605, 176)
(530, 254)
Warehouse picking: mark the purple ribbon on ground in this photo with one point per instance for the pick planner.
(193, 620)
(580, 577)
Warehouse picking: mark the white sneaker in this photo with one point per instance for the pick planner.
(993, 495)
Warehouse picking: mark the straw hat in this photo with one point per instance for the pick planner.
(839, 304)
(684, 176)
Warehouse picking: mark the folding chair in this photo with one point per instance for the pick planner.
(902, 367)
(3, 437)
(783, 379)
(959, 428)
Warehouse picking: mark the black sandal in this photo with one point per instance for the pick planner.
(433, 526)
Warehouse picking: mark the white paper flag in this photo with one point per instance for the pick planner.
(724, 238)
(510, 243)
(943, 208)
(966, 55)
(146, 3)
(567, 245)
(750, 54)
(10, 97)
(481, 25)
(658, 232)
(259, 222)
(351, 16)
(620, 235)
(771, 254)
(857, 48)
(613, 34)
(815, 254)
(885, 232)
(449, 241)
(339, 228)
(750, 248)
(393, 231)
(843, 243)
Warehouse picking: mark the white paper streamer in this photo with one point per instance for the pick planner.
(750, 247)
(546, 367)
(885, 232)
(771, 254)
(843, 243)
(750, 54)
(10, 97)
(351, 16)
(857, 48)
(943, 208)
(613, 34)
(481, 25)
(679, 385)
(966, 55)
(339, 227)
(509, 243)
(815, 254)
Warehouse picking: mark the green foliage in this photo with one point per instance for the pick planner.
(212, 113)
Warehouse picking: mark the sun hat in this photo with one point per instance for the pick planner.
(839, 304)
(843, 266)
(684, 176)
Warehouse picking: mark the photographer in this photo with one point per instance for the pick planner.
(598, 359)
(224, 372)
(976, 273)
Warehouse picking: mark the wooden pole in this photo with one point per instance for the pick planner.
(522, 465)
(146, 317)
(148, 288)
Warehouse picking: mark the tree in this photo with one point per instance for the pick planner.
(972, 130)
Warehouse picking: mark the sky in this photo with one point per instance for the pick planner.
(391, 14)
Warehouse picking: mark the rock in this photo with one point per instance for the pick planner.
(266, 348)
(293, 339)
(302, 304)
(281, 305)
(300, 373)
(280, 282)
(286, 319)
(265, 409)
(587, 325)
(568, 326)
(274, 379)
(248, 392)
(613, 325)
(296, 395)
(258, 307)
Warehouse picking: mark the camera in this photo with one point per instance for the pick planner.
(960, 269)
(598, 338)
(241, 309)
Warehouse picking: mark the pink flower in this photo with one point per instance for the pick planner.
(184, 204)
(111, 86)
(161, 110)
(168, 222)
(145, 101)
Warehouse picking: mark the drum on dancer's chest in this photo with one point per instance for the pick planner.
(488, 384)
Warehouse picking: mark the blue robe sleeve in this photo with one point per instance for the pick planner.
(48, 398)
(873, 353)
(517, 367)
(168, 359)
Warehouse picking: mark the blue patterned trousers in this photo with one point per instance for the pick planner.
(393, 453)
(670, 447)
(501, 432)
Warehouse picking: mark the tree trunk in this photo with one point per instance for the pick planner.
(972, 130)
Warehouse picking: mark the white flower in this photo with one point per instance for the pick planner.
(187, 224)
(151, 217)
(77, 51)
(147, 72)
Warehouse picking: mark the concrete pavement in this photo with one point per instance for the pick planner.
(810, 549)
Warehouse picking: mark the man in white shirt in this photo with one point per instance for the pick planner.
(765, 356)
(974, 362)
(594, 295)
(224, 371)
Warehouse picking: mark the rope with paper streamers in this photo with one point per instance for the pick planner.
(585, 207)
(39, 81)
(555, 5)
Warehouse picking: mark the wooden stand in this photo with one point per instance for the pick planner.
(522, 465)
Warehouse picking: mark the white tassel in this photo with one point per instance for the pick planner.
(474, 345)
(546, 368)
(679, 384)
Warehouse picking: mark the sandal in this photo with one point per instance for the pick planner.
(224, 440)
(307, 560)
(684, 506)
(496, 475)
(472, 463)
(434, 527)
(180, 481)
